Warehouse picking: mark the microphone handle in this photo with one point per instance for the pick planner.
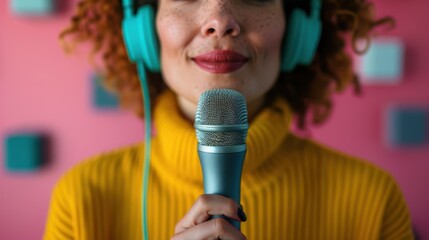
(222, 175)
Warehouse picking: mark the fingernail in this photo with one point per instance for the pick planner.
(241, 214)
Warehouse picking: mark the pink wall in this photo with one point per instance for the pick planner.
(41, 89)
(357, 123)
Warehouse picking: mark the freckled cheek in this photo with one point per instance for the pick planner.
(172, 36)
(274, 35)
(271, 41)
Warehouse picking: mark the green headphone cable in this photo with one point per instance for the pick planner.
(148, 129)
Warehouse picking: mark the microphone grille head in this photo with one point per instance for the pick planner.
(218, 108)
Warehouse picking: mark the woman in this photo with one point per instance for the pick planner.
(292, 188)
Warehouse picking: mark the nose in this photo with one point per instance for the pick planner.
(221, 23)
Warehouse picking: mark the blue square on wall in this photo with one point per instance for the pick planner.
(23, 152)
(101, 97)
(383, 63)
(407, 126)
(32, 7)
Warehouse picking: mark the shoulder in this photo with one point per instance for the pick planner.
(350, 182)
(103, 168)
(325, 160)
(92, 186)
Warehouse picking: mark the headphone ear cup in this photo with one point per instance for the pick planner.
(147, 23)
(293, 44)
(131, 39)
(312, 38)
(140, 38)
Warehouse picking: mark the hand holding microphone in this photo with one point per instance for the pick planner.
(196, 224)
(221, 128)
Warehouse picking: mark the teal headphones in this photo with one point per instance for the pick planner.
(300, 43)
(140, 35)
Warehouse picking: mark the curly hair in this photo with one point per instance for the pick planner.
(308, 89)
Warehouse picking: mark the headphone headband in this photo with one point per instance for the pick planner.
(315, 8)
(127, 5)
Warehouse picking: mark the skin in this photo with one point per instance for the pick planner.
(188, 28)
(194, 224)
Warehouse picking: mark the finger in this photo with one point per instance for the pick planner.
(217, 228)
(206, 206)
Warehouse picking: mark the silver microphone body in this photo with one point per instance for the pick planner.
(221, 127)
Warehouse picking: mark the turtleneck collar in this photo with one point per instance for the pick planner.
(178, 142)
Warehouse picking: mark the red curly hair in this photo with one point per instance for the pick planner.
(307, 88)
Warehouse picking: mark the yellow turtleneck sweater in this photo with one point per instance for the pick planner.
(292, 188)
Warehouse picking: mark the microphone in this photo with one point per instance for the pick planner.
(221, 127)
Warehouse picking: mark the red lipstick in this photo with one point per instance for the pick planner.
(220, 61)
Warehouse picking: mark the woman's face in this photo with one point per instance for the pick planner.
(208, 44)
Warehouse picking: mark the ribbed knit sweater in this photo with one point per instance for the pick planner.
(292, 188)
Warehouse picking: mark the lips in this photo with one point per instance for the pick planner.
(220, 61)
